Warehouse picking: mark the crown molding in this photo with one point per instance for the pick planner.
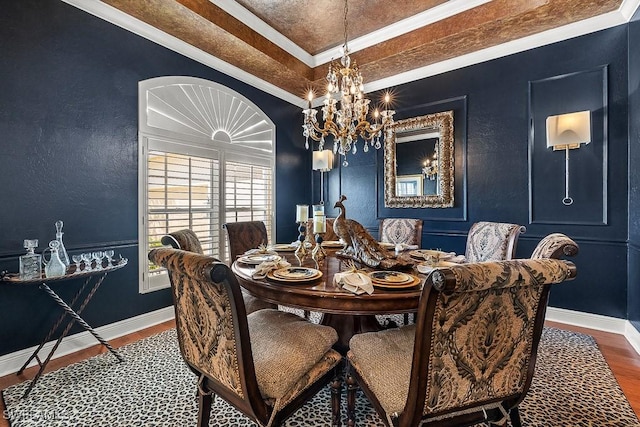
(576, 29)
(234, 9)
(131, 24)
(438, 13)
(587, 26)
(628, 8)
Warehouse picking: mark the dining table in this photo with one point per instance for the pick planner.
(343, 310)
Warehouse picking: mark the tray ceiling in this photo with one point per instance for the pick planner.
(287, 43)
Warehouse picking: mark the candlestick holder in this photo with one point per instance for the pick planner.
(318, 254)
(301, 252)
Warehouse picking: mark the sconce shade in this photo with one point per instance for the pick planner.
(323, 160)
(569, 130)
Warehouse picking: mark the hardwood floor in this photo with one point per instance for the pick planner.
(621, 357)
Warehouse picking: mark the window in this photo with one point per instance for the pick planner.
(196, 181)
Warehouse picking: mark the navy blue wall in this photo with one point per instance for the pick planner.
(634, 172)
(497, 136)
(68, 120)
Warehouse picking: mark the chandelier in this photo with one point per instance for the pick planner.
(345, 109)
(430, 166)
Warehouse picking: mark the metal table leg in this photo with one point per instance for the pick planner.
(75, 317)
(53, 329)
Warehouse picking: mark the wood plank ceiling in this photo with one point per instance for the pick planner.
(317, 26)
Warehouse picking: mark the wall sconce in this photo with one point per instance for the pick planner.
(567, 132)
(322, 161)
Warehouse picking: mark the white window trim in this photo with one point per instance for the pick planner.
(194, 145)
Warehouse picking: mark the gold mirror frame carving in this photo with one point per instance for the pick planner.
(443, 122)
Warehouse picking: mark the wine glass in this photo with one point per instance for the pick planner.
(77, 260)
(86, 257)
(109, 254)
(97, 255)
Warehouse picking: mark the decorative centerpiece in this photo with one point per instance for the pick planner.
(360, 246)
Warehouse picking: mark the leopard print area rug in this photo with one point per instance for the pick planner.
(572, 386)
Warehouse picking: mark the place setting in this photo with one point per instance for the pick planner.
(393, 280)
(293, 274)
(255, 259)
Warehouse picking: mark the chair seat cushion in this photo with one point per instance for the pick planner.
(383, 360)
(252, 303)
(285, 347)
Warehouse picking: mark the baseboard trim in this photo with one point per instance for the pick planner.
(633, 336)
(598, 322)
(12, 362)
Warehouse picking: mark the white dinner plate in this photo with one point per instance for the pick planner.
(256, 259)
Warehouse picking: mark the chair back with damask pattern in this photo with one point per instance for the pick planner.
(401, 230)
(212, 328)
(555, 245)
(492, 241)
(245, 235)
(477, 335)
(266, 378)
(185, 239)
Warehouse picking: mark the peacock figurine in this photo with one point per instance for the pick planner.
(359, 244)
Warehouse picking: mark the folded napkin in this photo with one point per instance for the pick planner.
(425, 268)
(355, 282)
(265, 267)
(458, 259)
(262, 249)
(296, 243)
(401, 247)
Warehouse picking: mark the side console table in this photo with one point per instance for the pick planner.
(74, 309)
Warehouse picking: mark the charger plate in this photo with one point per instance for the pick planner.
(390, 277)
(256, 259)
(415, 281)
(284, 247)
(294, 274)
(332, 244)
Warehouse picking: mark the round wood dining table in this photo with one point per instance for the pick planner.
(345, 311)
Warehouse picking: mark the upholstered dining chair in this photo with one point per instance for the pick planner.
(245, 235)
(492, 241)
(187, 240)
(471, 355)
(266, 364)
(401, 230)
(555, 245)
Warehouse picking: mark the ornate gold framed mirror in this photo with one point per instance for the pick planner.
(419, 162)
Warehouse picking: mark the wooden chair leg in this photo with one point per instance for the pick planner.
(204, 408)
(352, 386)
(336, 396)
(406, 319)
(514, 414)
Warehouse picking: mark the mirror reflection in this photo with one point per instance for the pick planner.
(419, 162)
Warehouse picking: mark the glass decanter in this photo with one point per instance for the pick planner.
(54, 267)
(31, 263)
(62, 252)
